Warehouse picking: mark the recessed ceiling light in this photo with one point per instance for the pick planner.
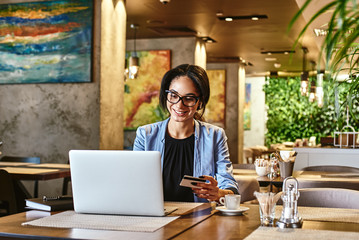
(228, 19)
(219, 13)
(270, 59)
(277, 65)
(255, 18)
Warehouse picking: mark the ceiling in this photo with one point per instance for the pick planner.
(240, 39)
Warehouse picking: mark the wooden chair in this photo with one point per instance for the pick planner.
(248, 155)
(65, 185)
(329, 198)
(35, 160)
(8, 203)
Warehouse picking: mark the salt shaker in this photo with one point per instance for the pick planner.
(290, 217)
(273, 167)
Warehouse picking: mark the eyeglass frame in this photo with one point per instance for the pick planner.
(181, 98)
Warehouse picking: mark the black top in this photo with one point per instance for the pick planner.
(178, 161)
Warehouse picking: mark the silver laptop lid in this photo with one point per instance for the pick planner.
(117, 182)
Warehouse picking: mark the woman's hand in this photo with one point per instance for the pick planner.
(210, 190)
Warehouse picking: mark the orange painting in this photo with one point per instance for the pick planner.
(216, 107)
(141, 94)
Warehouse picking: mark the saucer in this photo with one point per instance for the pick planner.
(226, 211)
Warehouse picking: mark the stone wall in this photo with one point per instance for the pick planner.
(47, 120)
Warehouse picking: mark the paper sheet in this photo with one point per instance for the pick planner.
(70, 219)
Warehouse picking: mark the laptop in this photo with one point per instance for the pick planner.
(117, 182)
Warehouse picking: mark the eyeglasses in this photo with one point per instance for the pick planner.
(188, 101)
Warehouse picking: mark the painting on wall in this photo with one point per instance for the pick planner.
(247, 107)
(141, 94)
(216, 107)
(46, 42)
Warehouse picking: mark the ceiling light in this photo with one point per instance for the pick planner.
(243, 17)
(228, 19)
(278, 52)
(319, 92)
(208, 39)
(270, 59)
(133, 61)
(277, 65)
(219, 14)
(320, 32)
(305, 75)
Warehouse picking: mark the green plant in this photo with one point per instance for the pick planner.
(291, 116)
(340, 46)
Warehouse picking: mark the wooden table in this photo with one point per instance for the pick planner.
(30, 171)
(10, 227)
(201, 223)
(219, 226)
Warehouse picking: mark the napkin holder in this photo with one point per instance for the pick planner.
(290, 217)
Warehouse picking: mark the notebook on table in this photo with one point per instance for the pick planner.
(117, 182)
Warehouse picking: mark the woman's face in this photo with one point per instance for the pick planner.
(183, 87)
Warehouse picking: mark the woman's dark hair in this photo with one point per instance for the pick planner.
(198, 76)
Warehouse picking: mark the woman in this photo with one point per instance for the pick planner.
(187, 145)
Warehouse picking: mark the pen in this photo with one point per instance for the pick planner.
(44, 198)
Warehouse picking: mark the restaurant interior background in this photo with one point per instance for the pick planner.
(47, 120)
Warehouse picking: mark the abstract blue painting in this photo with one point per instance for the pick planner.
(46, 42)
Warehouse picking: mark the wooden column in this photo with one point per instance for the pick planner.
(113, 47)
(241, 100)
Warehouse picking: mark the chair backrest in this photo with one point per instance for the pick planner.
(331, 168)
(35, 160)
(329, 198)
(7, 192)
(244, 166)
(247, 155)
(20, 159)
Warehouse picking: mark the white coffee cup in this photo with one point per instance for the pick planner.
(231, 201)
(261, 171)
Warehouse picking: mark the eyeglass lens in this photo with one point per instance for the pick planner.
(188, 101)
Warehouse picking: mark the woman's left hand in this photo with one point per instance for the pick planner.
(210, 190)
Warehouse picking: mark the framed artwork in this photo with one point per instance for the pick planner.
(46, 42)
(141, 94)
(247, 107)
(216, 107)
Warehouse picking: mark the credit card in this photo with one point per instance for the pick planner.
(189, 181)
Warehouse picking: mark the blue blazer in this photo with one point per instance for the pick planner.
(211, 154)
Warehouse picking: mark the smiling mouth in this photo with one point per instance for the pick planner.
(180, 112)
